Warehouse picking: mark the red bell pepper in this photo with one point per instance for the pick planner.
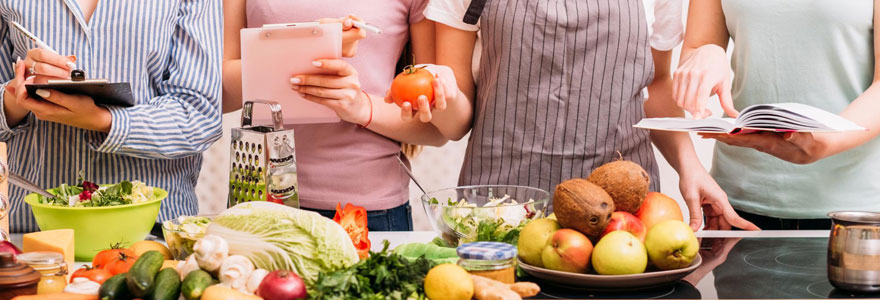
(354, 220)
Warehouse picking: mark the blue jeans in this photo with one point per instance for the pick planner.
(394, 219)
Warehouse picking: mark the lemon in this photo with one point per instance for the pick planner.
(444, 282)
(143, 246)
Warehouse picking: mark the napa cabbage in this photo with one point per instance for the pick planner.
(279, 237)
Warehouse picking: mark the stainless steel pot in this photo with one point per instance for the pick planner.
(854, 251)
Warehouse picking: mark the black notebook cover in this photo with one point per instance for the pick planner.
(116, 94)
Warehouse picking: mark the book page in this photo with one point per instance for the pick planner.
(793, 117)
(687, 125)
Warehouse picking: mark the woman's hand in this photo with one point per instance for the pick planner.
(350, 34)
(703, 196)
(340, 91)
(74, 110)
(445, 91)
(794, 147)
(705, 73)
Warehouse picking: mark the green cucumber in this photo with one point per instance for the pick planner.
(114, 288)
(195, 283)
(167, 285)
(140, 277)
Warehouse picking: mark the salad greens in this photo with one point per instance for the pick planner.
(499, 220)
(384, 275)
(89, 194)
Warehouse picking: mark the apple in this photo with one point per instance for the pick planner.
(533, 238)
(657, 208)
(619, 253)
(621, 220)
(672, 245)
(567, 250)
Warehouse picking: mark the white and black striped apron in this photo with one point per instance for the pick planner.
(558, 90)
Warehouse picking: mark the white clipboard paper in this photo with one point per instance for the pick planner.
(270, 55)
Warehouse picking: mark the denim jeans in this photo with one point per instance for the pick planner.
(394, 219)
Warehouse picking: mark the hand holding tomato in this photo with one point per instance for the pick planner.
(421, 89)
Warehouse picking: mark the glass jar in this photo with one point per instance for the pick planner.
(489, 259)
(52, 267)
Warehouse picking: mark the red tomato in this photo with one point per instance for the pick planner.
(106, 256)
(94, 274)
(410, 84)
(120, 264)
(354, 220)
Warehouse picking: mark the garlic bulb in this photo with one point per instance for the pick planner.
(185, 267)
(256, 278)
(235, 271)
(210, 252)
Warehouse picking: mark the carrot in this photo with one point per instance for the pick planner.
(57, 296)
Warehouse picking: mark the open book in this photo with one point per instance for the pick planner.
(781, 117)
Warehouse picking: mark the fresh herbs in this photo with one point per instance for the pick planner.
(89, 194)
(498, 231)
(384, 275)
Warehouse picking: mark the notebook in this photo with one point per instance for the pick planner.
(779, 117)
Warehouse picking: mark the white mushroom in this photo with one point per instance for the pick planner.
(235, 272)
(185, 267)
(210, 252)
(256, 278)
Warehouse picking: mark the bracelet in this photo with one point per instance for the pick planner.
(370, 120)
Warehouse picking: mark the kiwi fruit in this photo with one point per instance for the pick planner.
(582, 206)
(626, 182)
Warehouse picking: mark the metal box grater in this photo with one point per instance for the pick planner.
(263, 160)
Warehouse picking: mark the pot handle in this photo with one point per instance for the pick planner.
(275, 107)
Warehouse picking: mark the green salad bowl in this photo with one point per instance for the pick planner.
(97, 228)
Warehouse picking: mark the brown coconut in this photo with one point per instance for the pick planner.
(625, 181)
(582, 206)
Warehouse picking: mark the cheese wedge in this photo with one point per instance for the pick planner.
(60, 240)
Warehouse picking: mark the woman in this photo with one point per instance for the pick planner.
(558, 89)
(353, 161)
(818, 53)
(170, 53)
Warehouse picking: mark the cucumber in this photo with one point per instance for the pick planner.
(140, 277)
(167, 285)
(114, 288)
(195, 283)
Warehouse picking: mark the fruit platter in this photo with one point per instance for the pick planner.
(609, 232)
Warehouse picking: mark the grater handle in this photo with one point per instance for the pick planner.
(275, 107)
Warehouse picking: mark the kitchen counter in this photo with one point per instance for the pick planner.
(736, 265)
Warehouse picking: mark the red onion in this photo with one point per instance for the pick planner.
(282, 285)
(7, 246)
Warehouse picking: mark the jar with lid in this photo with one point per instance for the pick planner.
(16, 279)
(52, 267)
(492, 260)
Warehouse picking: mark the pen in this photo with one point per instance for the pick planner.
(37, 41)
(366, 27)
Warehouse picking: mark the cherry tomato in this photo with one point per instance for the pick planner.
(102, 258)
(121, 264)
(412, 83)
(94, 274)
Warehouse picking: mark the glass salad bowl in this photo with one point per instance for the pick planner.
(483, 212)
(181, 234)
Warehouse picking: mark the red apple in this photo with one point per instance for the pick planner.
(657, 208)
(567, 250)
(621, 220)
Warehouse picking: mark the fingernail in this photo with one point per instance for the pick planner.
(18, 59)
(71, 65)
(43, 93)
(30, 77)
(295, 80)
(72, 58)
(317, 64)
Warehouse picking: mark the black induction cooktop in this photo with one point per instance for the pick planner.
(738, 268)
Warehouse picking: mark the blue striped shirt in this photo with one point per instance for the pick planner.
(169, 50)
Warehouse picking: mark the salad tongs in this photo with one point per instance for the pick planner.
(27, 185)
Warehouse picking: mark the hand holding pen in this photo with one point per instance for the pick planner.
(353, 30)
(44, 62)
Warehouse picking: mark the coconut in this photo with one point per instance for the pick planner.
(583, 206)
(625, 181)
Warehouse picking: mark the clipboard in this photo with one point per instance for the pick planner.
(101, 91)
(270, 55)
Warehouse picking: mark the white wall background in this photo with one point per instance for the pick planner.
(436, 167)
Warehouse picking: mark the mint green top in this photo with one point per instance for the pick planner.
(817, 52)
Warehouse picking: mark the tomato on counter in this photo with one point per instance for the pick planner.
(109, 255)
(94, 274)
(354, 220)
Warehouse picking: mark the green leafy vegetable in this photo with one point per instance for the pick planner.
(436, 254)
(279, 237)
(384, 275)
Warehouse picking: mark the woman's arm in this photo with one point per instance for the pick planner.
(455, 49)
(234, 19)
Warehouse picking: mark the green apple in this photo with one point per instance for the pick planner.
(567, 250)
(671, 245)
(533, 238)
(619, 253)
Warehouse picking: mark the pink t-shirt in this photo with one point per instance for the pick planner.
(341, 162)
